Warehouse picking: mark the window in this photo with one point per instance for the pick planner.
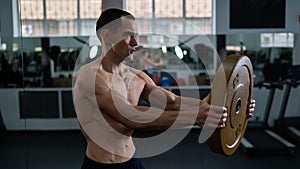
(168, 9)
(172, 17)
(198, 16)
(59, 18)
(89, 12)
(198, 9)
(140, 8)
(77, 17)
(32, 15)
(277, 40)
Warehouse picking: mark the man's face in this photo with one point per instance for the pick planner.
(125, 38)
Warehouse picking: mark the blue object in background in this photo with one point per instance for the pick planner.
(165, 81)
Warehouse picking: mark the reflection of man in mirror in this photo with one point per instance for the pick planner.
(17, 72)
(46, 68)
(106, 96)
(148, 62)
(4, 70)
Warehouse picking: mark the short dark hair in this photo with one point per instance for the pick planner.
(110, 15)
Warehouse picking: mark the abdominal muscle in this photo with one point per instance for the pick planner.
(115, 148)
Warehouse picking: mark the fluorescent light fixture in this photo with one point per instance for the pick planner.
(38, 49)
(3, 46)
(93, 51)
(178, 52)
(164, 49)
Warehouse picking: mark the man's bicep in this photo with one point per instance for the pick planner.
(118, 108)
(159, 96)
(106, 104)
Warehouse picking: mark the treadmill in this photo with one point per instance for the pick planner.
(289, 126)
(259, 137)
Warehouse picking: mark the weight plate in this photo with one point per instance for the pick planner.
(232, 87)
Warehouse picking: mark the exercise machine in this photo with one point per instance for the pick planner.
(289, 126)
(259, 137)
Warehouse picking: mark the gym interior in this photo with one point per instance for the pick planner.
(42, 43)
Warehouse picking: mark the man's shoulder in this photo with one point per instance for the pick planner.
(141, 74)
(86, 74)
(91, 66)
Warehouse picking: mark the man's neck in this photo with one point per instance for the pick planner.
(109, 60)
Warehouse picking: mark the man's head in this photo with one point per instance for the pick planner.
(111, 19)
(117, 31)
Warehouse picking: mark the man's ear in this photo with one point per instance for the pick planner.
(106, 35)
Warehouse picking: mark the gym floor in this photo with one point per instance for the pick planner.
(65, 150)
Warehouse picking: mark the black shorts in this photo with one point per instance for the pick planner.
(133, 163)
